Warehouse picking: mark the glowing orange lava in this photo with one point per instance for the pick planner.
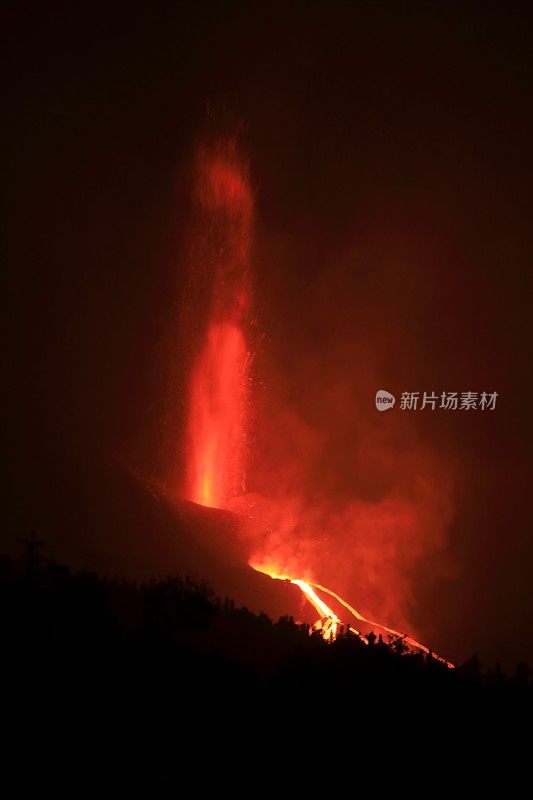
(218, 394)
(329, 622)
(216, 430)
(219, 382)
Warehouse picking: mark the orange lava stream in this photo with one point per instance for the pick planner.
(407, 639)
(329, 632)
(329, 621)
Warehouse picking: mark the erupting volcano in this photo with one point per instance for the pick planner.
(219, 401)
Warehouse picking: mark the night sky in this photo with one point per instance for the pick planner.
(391, 160)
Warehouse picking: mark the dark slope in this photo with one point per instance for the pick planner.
(103, 518)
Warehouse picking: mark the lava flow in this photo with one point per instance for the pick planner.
(329, 622)
(216, 439)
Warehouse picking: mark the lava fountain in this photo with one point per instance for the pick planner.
(218, 402)
(219, 384)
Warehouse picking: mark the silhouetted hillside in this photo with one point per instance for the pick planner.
(98, 515)
(114, 678)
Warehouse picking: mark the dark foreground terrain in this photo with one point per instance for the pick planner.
(108, 683)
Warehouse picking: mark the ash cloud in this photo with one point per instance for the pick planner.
(349, 498)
